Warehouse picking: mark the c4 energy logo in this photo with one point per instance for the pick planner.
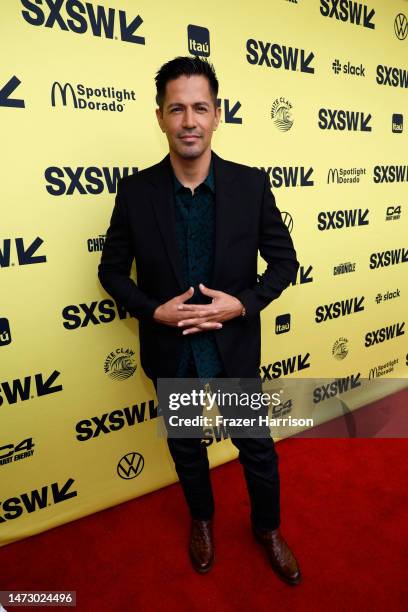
(83, 181)
(277, 56)
(289, 176)
(38, 499)
(81, 17)
(394, 77)
(7, 90)
(390, 174)
(384, 333)
(198, 41)
(401, 26)
(339, 309)
(21, 389)
(348, 11)
(83, 314)
(25, 254)
(393, 213)
(281, 114)
(352, 121)
(90, 98)
(383, 259)
(337, 219)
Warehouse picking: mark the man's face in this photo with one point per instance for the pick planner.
(189, 116)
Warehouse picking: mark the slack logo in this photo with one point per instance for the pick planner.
(198, 40)
(282, 324)
(7, 90)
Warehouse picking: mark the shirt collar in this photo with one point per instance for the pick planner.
(209, 181)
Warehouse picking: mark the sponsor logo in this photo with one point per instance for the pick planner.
(393, 213)
(337, 119)
(337, 219)
(216, 434)
(384, 333)
(130, 466)
(344, 268)
(277, 56)
(81, 315)
(401, 26)
(397, 123)
(348, 68)
(198, 40)
(281, 114)
(115, 421)
(35, 500)
(83, 181)
(229, 110)
(25, 254)
(336, 387)
(7, 90)
(348, 11)
(382, 369)
(289, 176)
(345, 175)
(285, 367)
(16, 452)
(340, 349)
(96, 244)
(90, 98)
(282, 324)
(388, 295)
(342, 308)
(5, 333)
(120, 364)
(82, 17)
(20, 389)
(394, 77)
(390, 174)
(288, 220)
(304, 275)
(383, 259)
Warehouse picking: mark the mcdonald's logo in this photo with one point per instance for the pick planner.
(63, 89)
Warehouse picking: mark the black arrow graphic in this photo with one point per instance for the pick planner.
(305, 63)
(62, 494)
(367, 19)
(44, 387)
(7, 90)
(127, 30)
(26, 256)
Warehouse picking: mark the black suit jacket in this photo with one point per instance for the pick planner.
(143, 227)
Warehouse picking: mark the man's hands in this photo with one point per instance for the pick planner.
(196, 318)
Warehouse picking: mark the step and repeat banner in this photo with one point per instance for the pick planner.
(314, 92)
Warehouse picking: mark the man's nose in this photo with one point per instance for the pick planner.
(189, 118)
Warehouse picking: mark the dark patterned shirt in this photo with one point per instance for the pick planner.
(195, 228)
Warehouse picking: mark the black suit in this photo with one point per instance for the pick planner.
(143, 226)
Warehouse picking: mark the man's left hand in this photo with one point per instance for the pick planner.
(226, 307)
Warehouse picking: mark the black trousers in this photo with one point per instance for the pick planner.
(258, 458)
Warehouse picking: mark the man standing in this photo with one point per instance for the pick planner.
(195, 223)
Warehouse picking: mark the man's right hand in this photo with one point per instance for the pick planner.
(168, 313)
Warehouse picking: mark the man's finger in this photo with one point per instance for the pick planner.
(194, 321)
(202, 327)
(209, 309)
(186, 295)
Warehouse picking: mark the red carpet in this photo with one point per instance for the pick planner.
(344, 508)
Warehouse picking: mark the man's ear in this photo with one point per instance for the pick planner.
(159, 116)
(217, 117)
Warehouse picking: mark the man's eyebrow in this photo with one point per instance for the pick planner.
(181, 104)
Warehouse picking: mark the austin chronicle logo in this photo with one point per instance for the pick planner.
(401, 26)
(340, 349)
(130, 466)
(288, 221)
(281, 114)
(120, 364)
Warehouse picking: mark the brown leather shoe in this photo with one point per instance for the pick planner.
(280, 556)
(201, 546)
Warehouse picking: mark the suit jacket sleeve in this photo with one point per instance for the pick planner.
(116, 262)
(276, 248)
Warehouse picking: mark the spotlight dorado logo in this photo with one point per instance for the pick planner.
(91, 98)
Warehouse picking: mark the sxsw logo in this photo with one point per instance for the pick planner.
(284, 367)
(397, 123)
(21, 389)
(348, 68)
(282, 324)
(394, 77)
(81, 17)
(35, 500)
(230, 110)
(384, 333)
(337, 219)
(348, 11)
(383, 259)
(5, 333)
(289, 176)
(339, 309)
(82, 181)
(198, 40)
(7, 90)
(279, 56)
(336, 387)
(82, 315)
(353, 121)
(25, 254)
(116, 420)
(390, 174)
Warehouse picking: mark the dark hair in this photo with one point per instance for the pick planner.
(188, 66)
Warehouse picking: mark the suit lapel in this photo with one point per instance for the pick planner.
(223, 175)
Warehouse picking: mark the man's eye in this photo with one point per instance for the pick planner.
(202, 108)
(174, 110)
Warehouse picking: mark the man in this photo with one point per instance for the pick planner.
(195, 222)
